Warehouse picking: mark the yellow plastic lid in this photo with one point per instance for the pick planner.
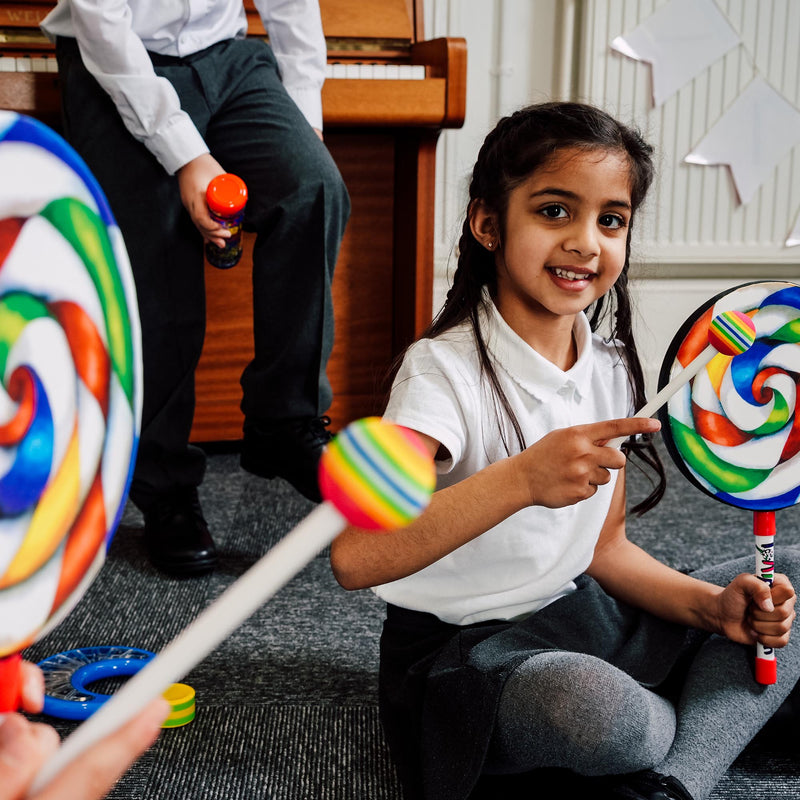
(182, 699)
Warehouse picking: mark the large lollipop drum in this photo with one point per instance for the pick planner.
(70, 366)
(734, 430)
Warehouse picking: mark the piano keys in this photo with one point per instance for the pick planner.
(28, 64)
(335, 71)
(388, 95)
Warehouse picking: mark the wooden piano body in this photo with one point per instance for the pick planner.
(382, 133)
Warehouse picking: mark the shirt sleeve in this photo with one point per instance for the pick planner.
(148, 105)
(295, 35)
(432, 394)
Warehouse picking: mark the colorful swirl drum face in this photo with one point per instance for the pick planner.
(734, 429)
(70, 363)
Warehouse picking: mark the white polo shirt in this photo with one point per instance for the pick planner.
(531, 558)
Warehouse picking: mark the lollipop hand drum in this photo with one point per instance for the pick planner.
(70, 401)
(373, 475)
(734, 431)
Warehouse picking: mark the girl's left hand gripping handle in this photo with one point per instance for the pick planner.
(10, 682)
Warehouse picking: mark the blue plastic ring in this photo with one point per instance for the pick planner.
(67, 674)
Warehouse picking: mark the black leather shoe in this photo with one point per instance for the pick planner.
(176, 535)
(289, 450)
(646, 785)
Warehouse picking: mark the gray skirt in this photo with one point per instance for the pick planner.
(440, 684)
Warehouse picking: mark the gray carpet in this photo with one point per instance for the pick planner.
(286, 707)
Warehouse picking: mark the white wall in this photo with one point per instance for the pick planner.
(511, 61)
(695, 239)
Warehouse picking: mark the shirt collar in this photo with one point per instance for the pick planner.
(532, 372)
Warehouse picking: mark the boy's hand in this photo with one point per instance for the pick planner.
(193, 180)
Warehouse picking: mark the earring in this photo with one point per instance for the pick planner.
(490, 245)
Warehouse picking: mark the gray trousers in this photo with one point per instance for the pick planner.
(576, 711)
(297, 204)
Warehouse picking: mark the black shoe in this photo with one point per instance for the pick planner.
(646, 785)
(289, 450)
(176, 535)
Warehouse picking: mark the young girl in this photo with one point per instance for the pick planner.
(524, 631)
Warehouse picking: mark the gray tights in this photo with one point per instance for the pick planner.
(570, 710)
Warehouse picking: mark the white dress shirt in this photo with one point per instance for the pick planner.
(114, 35)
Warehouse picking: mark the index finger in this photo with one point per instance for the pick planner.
(603, 432)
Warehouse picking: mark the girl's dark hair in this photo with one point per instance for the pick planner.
(518, 145)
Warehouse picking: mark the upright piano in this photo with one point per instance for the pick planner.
(388, 94)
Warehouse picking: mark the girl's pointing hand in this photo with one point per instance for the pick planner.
(567, 465)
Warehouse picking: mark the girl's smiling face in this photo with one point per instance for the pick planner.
(563, 241)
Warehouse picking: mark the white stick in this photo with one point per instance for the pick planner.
(678, 382)
(241, 599)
